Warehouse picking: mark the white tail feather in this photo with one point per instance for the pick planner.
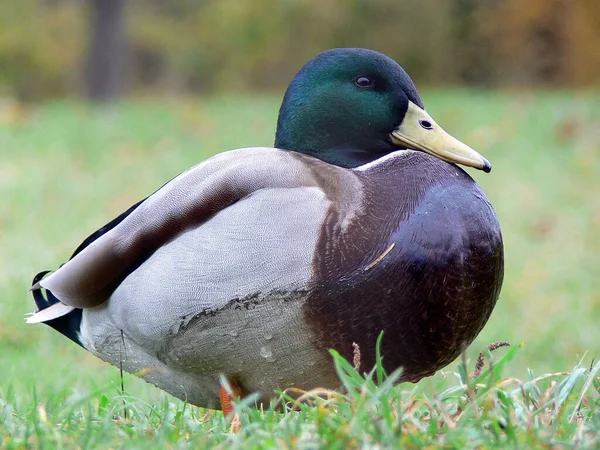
(52, 312)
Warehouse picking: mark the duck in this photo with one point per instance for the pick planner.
(250, 266)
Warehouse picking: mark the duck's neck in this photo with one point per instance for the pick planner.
(348, 147)
(346, 158)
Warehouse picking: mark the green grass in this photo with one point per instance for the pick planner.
(66, 169)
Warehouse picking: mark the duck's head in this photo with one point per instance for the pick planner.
(350, 106)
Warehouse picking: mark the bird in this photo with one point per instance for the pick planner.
(239, 275)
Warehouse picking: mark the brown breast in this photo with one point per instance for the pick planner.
(422, 261)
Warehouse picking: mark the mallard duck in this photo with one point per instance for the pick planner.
(251, 265)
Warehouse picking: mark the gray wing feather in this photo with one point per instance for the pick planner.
(186, 202)
(260, 245)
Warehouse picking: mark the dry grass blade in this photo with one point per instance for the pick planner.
(592, 375)
(356, 356)
(313, 395)
(481, 358)
(444, 412)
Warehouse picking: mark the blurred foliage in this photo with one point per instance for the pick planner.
(41, 44)
(206, 45)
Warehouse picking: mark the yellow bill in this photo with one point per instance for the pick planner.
(418, 131)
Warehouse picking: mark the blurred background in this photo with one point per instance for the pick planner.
(105, 48)
(103, 101)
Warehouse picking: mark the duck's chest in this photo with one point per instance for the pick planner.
(403, 221)
(420, 261)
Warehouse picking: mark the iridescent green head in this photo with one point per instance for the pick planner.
(351, 106)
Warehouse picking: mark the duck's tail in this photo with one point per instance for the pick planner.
(63, 318)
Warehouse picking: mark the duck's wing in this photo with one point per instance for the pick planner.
(109, 226)
(105, 229)
(185, 203)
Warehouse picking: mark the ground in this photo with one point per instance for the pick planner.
(66, 169)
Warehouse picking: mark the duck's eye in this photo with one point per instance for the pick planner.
(363, 82)
(426, 124)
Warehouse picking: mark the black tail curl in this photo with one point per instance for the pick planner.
(69, 324)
